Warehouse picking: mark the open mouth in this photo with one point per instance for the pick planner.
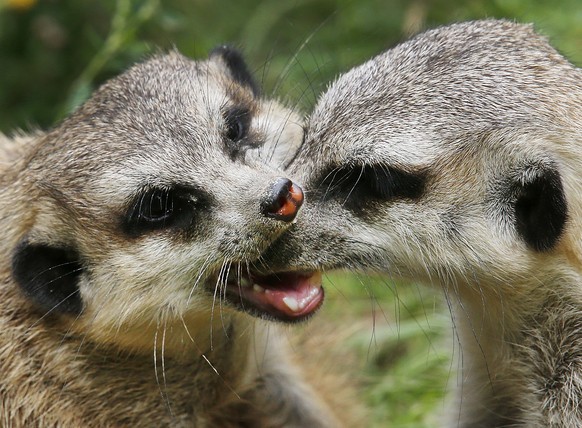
(285, 296)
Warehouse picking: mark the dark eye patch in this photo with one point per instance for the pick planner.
(162, 208)
(238, 121)
(357, 185)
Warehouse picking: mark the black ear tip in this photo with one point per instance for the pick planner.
(541, 210)
(48, 276)
(226, 51)
(237, 66)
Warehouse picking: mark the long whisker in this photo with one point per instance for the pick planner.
(205, 358)
(156, 361)
(203, 269)
(164, 367)
(216, 293)
(354, 185)
(222, 295)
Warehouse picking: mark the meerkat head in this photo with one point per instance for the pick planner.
(452, 156)
(154, 200)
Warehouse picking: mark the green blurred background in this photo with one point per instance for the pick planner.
(53, 53)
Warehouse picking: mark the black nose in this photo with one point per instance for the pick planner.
(283, 200)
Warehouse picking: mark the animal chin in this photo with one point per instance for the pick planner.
(284, 296)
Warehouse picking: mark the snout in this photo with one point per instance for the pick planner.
(283, 200)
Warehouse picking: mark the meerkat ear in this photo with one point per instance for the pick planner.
(541, 209)
(48, 276)
(236, 65)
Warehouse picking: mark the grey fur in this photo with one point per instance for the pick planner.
(493, 115)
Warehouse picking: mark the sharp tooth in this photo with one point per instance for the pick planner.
(258, 288)
(291, 303)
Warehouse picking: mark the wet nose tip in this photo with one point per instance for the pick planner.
(283, 201)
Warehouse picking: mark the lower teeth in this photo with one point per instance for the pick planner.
(291, 303)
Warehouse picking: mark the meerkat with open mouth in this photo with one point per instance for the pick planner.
(129, 234)
(454, 159)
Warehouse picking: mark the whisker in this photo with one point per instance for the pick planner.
(156, 360)
(354, 185)
(164, 368)
(58, 304)
(216, 292)
(222, 296)
(38, 275)
(203, 269)
(293, 58)
(205, 358)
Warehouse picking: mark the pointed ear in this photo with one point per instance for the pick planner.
(236, 66)
(541, 209)
(48, 276)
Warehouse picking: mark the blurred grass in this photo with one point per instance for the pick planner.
(53, 53)
(404, 336)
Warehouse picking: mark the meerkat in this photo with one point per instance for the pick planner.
(454, 159)
(129, 232)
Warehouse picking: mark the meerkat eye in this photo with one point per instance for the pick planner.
(156, 206)
(237, 124)
(235, 130)
(160, 208)
(356, 185)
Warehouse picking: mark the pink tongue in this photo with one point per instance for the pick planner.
(295, 296)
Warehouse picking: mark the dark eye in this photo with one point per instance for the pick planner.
(235, 130)
(356, 185)
(237, 123)
(160, 208)
(156, 206)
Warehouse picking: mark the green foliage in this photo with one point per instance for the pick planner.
(53, 53)
(404, 336)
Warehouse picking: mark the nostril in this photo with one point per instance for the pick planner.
(283, 201)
